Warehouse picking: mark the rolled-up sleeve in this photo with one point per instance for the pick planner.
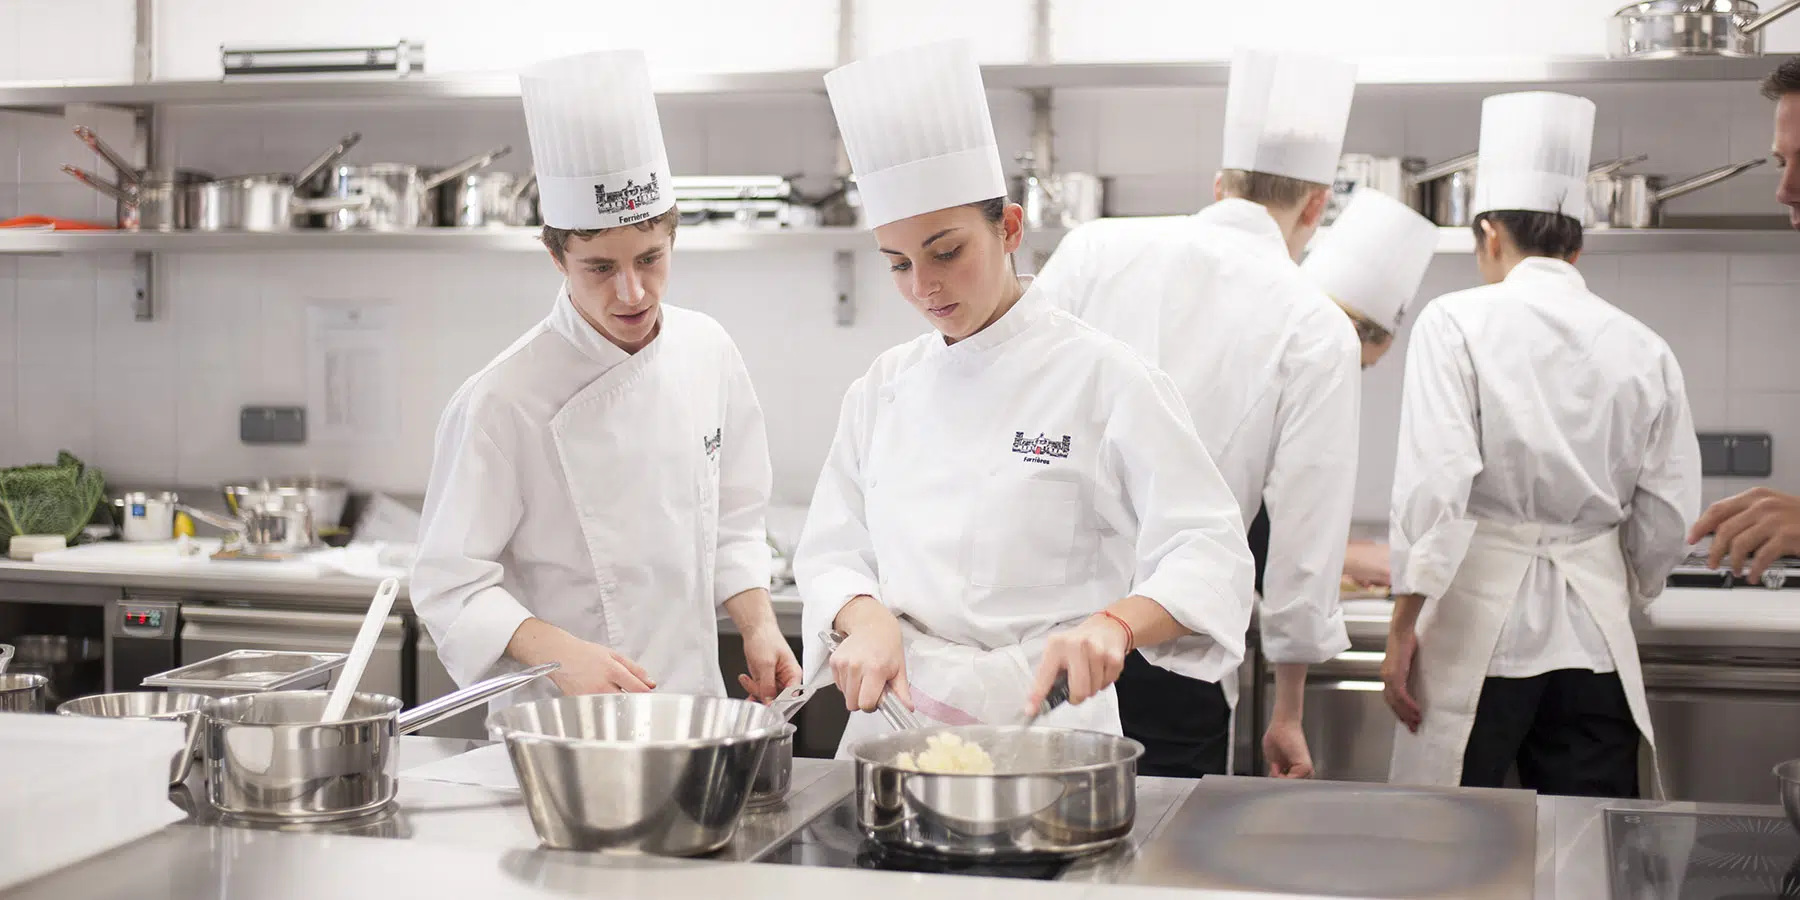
(1439, 455)
(835, 560)
(1192, 558)
(1667, 497)
(1309, 491)
(472, 508)
(743, 561)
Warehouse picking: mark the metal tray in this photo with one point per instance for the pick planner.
(251, 671)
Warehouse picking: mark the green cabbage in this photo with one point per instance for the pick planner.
(58, 499)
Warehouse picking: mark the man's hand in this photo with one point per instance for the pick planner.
(773, 668)
(872, 657)
(1284, 746)
(1396, 677)
(587, 668)
(1755, 528)
(1366, 563)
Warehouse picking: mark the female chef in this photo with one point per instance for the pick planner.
(1013, 495)
(597, 492)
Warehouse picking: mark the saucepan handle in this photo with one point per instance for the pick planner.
(427, 714)
(897, 715)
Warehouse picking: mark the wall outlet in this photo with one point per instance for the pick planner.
(1747, 454)
(1715, 454)
(272, 425)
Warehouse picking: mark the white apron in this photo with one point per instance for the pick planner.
(957, 685)
(1459, 631)
(638, 516)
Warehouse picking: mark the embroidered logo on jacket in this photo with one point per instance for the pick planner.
(712, 442)
(1040, 449)
(628, 198)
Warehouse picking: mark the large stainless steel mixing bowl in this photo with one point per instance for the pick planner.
(1789, 775)
(664, 774)
(184, 708)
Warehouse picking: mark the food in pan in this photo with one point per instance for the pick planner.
(947, 754)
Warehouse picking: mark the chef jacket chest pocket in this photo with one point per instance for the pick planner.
(1023, 533)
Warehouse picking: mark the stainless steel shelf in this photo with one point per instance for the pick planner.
(501, 85)
(720, 240)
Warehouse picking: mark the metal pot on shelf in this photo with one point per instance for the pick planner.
(1663, 29)
(399, 193)
(1057, 201)
(270, 203)
(325, 497)
(1395, 176)
(270, 531)
(147, 201)
(1628, 200)
(487, 200)
(1446, 191)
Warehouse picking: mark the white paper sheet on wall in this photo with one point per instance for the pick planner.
(352, 372)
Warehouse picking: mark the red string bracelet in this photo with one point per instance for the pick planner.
(1130, 636)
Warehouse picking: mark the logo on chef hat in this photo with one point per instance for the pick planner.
(1040, 449)
(628, 198)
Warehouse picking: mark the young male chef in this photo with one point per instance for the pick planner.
(597, 491)
(1546, 474)
(1755, 529)
(1269, 373)
(1371, 263)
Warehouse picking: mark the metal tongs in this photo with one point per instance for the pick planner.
(897, 715)
(6, 655)
(789, 701)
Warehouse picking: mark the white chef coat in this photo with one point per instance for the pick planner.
(1269, 368)
(1012, 484)
(618, 497)
(1535, 401)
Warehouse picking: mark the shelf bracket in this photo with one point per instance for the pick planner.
(845, 262)
(143, 284)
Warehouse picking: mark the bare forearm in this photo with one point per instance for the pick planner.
(1406, 613)
(753, 611)
(859, 613)
(536, 641)
(1290, 692)
(1150, 623)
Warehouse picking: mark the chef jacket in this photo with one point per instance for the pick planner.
(1012, 484)
(1269, 368)
(618, 497)
(1535, 401)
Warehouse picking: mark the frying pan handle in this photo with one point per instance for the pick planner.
(220, 522)
(121, 194)
(427, 714)
(530, 179)
(1755, 25)
(897, 715)
(1450, 166)
(127, 171)
(466, 166)
(1707, 179)
(312, 169)
(1607, 168)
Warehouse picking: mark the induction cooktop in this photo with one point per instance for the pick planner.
(1700, 856)
(834, 840)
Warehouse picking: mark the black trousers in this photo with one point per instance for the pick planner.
(1569, 732)
(1183, 723)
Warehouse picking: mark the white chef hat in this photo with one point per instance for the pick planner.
(1535, 148)
(1374, 256)
(915, 123)
(596, 141)
(1285, 113)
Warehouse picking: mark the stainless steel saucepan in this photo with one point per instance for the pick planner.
(269, 758)
(147, 201)
(399, 193)
(1661, 29)
(487, 200)
(1627, 200)
(185, 708)
(270, 203)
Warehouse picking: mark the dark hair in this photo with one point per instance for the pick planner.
(993, 210)
(1273, 191)
(557, 239)
(1366, 330)
(1536, 233)
(1783, 81)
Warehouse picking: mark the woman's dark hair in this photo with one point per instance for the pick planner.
(1783, 81)
(994, 210)
(1536, 233)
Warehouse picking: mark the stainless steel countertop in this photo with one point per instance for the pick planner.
(457, 840)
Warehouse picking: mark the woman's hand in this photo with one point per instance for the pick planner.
(872, 658)
(1093, 655)
(773, 668)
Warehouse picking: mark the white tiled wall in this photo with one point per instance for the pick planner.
(157, 402)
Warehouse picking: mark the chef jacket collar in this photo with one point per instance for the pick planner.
(1532, 268)
(1030, 307)
(568, 322)
(1251, 218)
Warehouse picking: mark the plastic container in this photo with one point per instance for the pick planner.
(71, 788)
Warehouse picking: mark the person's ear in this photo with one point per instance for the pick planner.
(1218, 186)
(1314, 210)
(557, 259)
(1012, 227)
(1574, 257)
(1489, 245)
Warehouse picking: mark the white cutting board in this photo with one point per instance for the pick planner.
(488, 767)
(165, 558)
(1738, 608)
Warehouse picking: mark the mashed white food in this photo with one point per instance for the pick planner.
(947, 754)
